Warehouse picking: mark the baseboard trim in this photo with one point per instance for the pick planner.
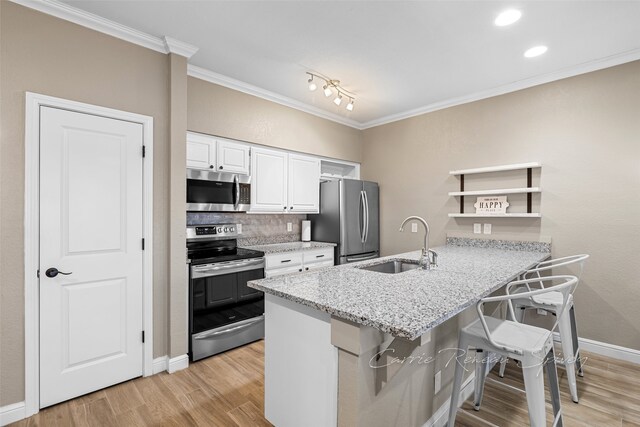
(160, 364)
(441, 416)
(178, 363)
(606, 349)
(12, 413)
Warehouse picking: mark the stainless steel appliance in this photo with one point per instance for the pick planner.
(217, 191)
(223, 311)
(349, 217)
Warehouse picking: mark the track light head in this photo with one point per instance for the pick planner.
(350, 104)
(338, 99)
(327, 90)
(312, 85)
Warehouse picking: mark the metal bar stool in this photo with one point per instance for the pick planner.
(531, 345)
(552, 303)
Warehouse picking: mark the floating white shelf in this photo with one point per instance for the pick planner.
(509, 215)
(496, 168)
(502, 191)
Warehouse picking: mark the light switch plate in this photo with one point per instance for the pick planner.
(487, 229)
(414, 227)
(477, 228)
(239, 228)
(289, 226)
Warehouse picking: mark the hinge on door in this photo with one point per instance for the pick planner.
(143, 243)
(144, 151)
(38, 273)
(142, 336)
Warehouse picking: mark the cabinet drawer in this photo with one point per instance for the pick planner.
(318, 255)
(282, 271)
(285, 260)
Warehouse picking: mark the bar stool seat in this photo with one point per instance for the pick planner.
(531, 345)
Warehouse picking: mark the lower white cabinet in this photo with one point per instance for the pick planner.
(297, 262)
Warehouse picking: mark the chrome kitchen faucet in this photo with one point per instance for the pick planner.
(428, 258)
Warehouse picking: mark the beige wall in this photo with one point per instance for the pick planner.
(216, 110)
(585, 131)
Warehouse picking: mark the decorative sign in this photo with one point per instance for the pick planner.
(496, 205)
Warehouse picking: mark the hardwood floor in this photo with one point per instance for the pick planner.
(227, 390)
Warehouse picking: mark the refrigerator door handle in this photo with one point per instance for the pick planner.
(366, 227)
(361, 218)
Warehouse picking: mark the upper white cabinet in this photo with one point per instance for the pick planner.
(283, 182)
(268, 181)
(201, 151)
(304, 184)
(233, 157)
(208, 152)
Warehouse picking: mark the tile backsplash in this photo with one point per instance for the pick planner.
(257, 229)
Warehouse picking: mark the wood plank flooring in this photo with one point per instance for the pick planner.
(227, 390)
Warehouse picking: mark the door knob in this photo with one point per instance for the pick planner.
(53, 272)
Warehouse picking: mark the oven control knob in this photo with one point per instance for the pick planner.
(219, 229)
(231, 229)
(226, 229)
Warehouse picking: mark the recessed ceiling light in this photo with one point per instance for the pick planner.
(535, 51)
(507, 17)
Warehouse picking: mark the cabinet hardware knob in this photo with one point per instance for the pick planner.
(300, 270)
(220, 167)
(291, 208)
(307, 268)
(210, 166)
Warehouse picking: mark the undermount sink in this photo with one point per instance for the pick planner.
(393, 267)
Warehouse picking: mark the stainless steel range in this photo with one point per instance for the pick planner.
(223, 311)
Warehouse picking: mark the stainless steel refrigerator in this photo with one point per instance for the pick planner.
(349, 217)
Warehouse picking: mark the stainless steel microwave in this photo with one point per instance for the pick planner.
(210, 191)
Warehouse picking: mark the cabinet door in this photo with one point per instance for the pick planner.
(268, 181)
(201, 151)
(233, 157)
(304, 184)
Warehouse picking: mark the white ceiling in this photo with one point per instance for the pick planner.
(399, 58)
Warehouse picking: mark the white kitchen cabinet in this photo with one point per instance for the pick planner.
(295, 262)
(232, 157)
(201, 151)
(222, 155)
(268, 180)
(284, 182)
(304, 184)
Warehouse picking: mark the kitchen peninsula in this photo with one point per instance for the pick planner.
(338, 339)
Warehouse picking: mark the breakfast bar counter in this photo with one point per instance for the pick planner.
(325, 329)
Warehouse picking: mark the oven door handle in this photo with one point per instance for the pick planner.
(242, 325)
(236, 184)
(222, 268)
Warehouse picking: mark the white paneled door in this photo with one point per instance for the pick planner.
(91, 232)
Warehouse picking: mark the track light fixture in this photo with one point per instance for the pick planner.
(329, 87)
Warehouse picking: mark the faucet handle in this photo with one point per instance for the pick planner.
(433, 258)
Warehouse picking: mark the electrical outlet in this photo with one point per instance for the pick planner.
(239, 228)
(289, 226)
(477, 228)
(542, 312)
(487, 229)
(414, 227)
(437, 382)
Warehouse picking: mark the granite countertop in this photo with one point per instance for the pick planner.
(408, 304)
(289, 247)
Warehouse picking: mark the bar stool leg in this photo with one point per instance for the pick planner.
(534, 388)
(554, 389)
(566, 339)
(574, 335)
(457, 385)
(481, 361)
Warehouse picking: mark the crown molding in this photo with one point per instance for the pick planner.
(228, 82)
(179, 48)
(112, 28)
(586, 67)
